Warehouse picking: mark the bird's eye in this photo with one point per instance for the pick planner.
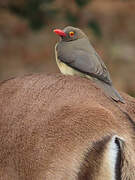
(71, 33)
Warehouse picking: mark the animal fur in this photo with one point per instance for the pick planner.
(57, 127)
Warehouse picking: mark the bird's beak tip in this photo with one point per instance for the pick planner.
(55, 30)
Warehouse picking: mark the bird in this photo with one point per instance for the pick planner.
(75, 55)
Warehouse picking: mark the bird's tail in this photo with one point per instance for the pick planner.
(109, 90)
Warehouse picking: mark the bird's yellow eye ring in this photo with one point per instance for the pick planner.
(71, 33)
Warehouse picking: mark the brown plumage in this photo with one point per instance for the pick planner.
(56, 127)
(76, 56)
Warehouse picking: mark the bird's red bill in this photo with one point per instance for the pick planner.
(59, 32)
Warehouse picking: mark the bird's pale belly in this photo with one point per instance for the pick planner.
(65, 69)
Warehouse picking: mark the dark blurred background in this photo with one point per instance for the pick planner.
(27, 40)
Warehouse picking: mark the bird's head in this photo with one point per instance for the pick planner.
(70, 33)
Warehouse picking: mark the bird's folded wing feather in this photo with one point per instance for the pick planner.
(86, 63)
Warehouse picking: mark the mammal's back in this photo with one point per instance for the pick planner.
(57, 127)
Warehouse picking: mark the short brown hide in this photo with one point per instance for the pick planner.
(56, 127)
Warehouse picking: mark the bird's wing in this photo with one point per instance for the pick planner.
(87, 63)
